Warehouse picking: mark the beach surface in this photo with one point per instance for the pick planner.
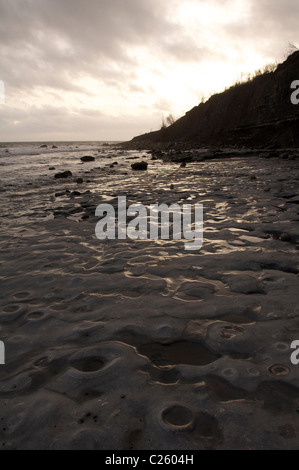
(140, 344)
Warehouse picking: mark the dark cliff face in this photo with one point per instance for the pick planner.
(257, 113)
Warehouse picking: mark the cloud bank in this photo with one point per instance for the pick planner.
(110, 69)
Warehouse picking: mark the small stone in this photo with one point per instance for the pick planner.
(63, 174)
(79, 180)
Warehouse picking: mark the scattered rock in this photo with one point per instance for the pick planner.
(156, 154)
(52, 168)
(63, 174)
(54, 147)
(139, 166)
(87, 158)
(43, 146)
(79, 180)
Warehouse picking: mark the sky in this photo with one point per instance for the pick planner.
(113, 69)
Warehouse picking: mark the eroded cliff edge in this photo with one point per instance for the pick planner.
(257, 113)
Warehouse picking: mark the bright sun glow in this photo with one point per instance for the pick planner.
(195, 13)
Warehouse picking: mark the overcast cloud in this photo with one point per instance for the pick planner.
(110, 69)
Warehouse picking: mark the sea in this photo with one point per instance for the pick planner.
(27, 176)
(29, 162)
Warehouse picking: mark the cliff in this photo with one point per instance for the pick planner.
(257, 113)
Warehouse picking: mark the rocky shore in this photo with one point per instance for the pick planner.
(123, 344)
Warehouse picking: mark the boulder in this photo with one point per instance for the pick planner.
(139, 166)
(87, 158)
